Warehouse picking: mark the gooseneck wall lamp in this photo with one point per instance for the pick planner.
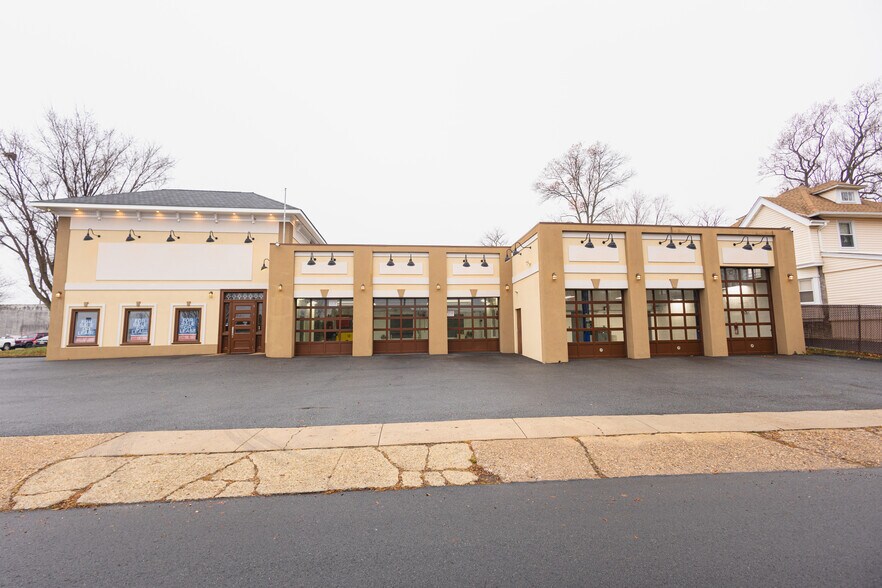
(89, 234)
(610, 241)
(211, 237)
(172, 236)
(465, 262)
(515, 249)
(249, 238)
(311, 259)
(390, 263)
(767, 246)
(747, 246)
(333, 261)
(484, 261)
(132, 236)
(410, 262)
(670, 240)
(265, 262)
(690, 241)
(587, 241)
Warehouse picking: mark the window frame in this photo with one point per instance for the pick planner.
(469, 303)
(575, 313)
(176, 324)
(125, 325)
(850, 234)
(386, 317)
(852, 193)
(73, 326)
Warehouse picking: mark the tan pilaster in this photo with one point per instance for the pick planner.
(59, 279)
(552, 303)
(636, 321)
(506, 306)
(710, 299)
(280, 303)
(437, 301)
(363, 302)
(787, 308)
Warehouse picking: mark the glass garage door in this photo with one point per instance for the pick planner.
(401, 325)
(674, 322)
(323, 326)
(595, 323)
(472, 324)
(748, 304)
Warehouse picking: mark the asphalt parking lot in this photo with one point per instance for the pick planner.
(39, 397)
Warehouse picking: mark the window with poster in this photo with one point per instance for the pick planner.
(188, 322)
(84, 326)
(137, 326)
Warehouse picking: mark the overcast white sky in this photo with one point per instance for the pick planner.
(412, 122)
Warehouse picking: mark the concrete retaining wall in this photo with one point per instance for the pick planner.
(23, 319)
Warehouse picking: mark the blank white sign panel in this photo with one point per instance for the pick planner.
(173, 261)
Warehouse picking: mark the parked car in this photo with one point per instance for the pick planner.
(7, 342)
(42, 341)
(28, 340)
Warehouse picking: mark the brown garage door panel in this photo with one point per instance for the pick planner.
(401, 346)
(605, 349)
(327, 348)
(472, 345)
(676, 348)
(751, 346)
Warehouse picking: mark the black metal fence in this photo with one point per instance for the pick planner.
(845, 327)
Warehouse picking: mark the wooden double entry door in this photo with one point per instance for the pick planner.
(242, 322)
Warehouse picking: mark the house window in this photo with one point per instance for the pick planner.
(848, 196)
(137, 325)
(807, 291)
(187, 325)
(84, 327)
(846, 234)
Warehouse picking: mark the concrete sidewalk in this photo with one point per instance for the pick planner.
(378, 435)
(90, 470)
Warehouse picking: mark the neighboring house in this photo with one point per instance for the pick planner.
(838, 240)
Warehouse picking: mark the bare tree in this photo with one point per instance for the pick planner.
(640, 209)
(832, 142)
(701, 216)
(584, 178)
(495, 237)
(5, 283)
(68, 158)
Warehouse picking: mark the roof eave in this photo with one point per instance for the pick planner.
(63, 206)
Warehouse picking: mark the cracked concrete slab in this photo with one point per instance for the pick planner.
(854, 445)
(407, 457)
(434, 479)
(243, 469)
(284, 472)
(363, 467)
(235, 489)
(699, 453)
(72, 474)
(22, 456)
(528, 460)
(42, 500)
(543, 427)
(198, 490)
(449, 456)
(459, 477)
(154, 477)
(411, 479)
(171, 442)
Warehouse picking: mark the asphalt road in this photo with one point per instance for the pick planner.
(39, 397)
(779, 529)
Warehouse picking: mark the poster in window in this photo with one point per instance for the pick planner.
(138, 329)
(188, 326)
(85, 327)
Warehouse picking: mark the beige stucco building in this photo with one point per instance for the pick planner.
(838, 241)
(173, 272)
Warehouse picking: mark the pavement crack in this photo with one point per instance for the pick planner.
(238, 447)
(773, 436)
(593, 463)
(519, 428)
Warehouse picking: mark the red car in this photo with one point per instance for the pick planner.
(28, 340)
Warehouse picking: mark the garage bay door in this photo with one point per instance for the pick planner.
(673, 322)
(472, 324)
(401, 325)
(595, 323)
(748, 305)
(323, 326)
